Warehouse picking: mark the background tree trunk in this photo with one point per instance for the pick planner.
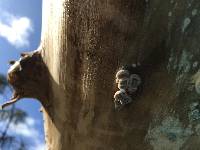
(83, 45)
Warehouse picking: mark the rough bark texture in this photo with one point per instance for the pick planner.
(83, 45)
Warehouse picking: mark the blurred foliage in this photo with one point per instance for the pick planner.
(17, 115)
(12, 143)
(8, 116)
(3, 83)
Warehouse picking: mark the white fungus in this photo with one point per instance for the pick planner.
(186, 23)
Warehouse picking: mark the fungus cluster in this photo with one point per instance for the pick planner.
(128, 82)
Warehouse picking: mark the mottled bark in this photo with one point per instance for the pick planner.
(83, 45)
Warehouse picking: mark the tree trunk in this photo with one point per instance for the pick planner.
(83, 45)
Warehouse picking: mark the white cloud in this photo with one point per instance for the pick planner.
(30, 121)
(24, 129)
(16, 30)
(38, 146)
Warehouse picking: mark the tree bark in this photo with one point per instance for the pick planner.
(83, 45)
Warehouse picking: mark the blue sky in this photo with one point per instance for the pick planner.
(20, 29)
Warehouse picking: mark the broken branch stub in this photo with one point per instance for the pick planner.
(29, 78)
